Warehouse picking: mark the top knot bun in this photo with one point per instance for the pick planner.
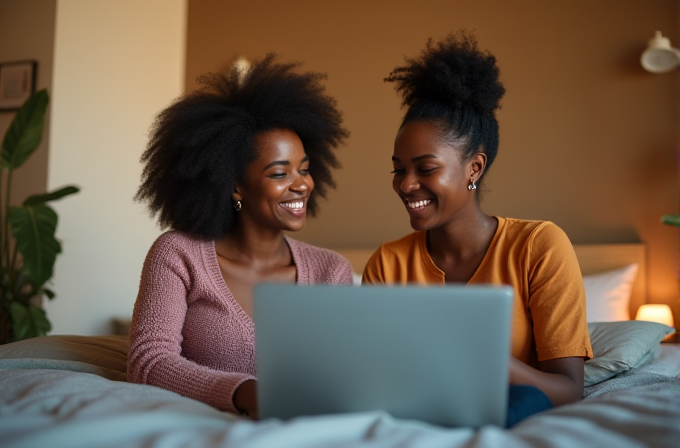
(453, 71)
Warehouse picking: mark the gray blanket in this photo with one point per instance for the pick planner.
(627, 380)
(51, 408)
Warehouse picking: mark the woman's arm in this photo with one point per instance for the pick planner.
(557, 306)
(560, 379)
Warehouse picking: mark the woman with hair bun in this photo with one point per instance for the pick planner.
(228, 169)
(446, 143)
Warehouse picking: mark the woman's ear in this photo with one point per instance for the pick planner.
(476, 166)
(236, 195)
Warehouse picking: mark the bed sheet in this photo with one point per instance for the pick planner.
(666, 361)
(52, 408)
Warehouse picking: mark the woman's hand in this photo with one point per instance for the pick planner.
(245, 399)
(560, 379)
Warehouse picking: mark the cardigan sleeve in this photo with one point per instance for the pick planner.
(155, 354)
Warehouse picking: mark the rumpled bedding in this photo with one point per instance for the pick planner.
(53, 408)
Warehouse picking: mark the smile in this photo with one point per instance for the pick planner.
(296, 205)
(418, 204)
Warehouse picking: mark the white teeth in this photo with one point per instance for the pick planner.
(297, 205)
(417, 204)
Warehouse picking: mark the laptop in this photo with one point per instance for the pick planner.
(438, 354)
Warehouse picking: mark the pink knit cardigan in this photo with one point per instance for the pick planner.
(188, 334)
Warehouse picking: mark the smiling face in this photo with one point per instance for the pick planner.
(431, 178)
(277, 184)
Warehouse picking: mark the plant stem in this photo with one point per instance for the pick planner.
(5, 239)
(3, 273)
(10, 268)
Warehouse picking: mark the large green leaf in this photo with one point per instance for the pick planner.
(25, 132)
(671, 220)
(53, 196)
(28, 321)
(33, 229)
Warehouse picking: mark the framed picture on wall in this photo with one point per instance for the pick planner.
(17, 83)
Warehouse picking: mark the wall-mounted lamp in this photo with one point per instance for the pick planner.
(660, 57)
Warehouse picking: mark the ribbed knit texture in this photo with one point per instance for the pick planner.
(188, 333)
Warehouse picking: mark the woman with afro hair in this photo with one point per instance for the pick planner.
(446, 143)
(228, 169)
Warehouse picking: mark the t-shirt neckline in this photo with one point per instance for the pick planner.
(429, 263)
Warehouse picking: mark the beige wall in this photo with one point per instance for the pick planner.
(589, 140)
(116, 64)
(27, 32)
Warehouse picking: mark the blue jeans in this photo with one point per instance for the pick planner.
(524, 401)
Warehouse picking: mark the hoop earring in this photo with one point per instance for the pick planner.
(472, 186)
(238, 206)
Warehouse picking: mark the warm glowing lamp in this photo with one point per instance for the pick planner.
(656, 313)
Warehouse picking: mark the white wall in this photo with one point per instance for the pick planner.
(116, 65)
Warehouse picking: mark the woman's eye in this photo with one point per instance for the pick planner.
(397, 171)
(426, 169)
(278, 175)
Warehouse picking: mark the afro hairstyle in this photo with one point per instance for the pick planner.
(456, 86)
(201, 145)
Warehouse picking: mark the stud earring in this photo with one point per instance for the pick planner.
(471, 185)
(238, 205)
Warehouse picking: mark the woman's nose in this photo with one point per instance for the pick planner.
(300, 184)
(409, 183)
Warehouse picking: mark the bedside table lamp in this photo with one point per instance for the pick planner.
(656, 313)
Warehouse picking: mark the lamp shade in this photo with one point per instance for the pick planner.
(656, 313)
(660, 57)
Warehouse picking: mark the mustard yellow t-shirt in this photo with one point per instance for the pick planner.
(536, 258)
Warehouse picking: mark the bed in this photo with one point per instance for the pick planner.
(70, 391)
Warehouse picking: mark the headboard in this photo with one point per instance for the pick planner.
(592, 258)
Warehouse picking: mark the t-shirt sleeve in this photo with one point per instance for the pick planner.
(374, 272)
(156, 334)
(556, 296)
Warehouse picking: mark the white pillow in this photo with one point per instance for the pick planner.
(608, 294)
(356, 279)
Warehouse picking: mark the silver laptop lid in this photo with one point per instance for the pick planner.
(437, 354)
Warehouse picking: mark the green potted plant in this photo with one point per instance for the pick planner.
(28, 247)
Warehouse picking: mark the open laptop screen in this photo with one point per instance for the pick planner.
(436, 354)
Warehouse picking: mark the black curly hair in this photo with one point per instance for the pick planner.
(201, 145)
(456, 86)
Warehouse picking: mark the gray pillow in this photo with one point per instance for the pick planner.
(105, 356)
(621, 346)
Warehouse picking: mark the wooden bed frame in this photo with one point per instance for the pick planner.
(592, 258)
